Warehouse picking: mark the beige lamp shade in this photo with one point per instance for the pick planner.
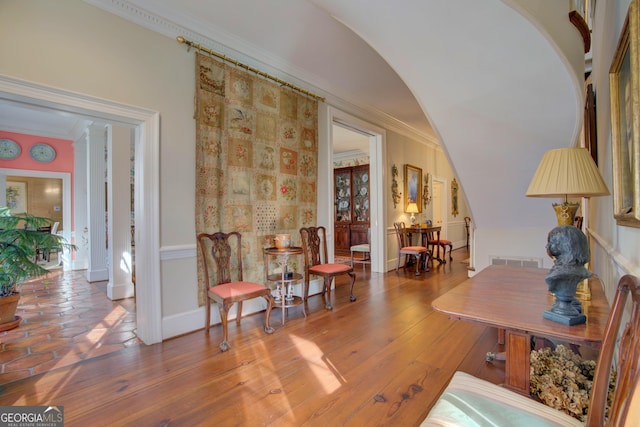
(567, 172)
(412, 208)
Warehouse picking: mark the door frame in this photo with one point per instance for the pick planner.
(147, 182)
(444, 214)
(377, 173)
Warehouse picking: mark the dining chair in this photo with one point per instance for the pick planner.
(314, 247)
(406, 249)
(434, 241)
(41, 252)
(222, 267)
(55, 249)
(467, 225)
(365, 252)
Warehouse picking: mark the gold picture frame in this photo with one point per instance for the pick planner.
(412, 186)
(625, 122)
(454, 197)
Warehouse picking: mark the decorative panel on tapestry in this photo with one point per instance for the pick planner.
(256, 161)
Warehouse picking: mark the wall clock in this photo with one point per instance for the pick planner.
(42, 152)
(9, 149)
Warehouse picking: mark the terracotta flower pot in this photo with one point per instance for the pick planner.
(8, 306)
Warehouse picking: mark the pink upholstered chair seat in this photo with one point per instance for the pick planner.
(414, 249)
(329, 268)
(314, 247)
(405, 248)
(234, 289)
(440, 243)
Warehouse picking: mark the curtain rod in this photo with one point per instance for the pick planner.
(189, 43)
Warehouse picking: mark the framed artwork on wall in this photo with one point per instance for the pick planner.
(412, 186)
(625, 122)
(17, 196)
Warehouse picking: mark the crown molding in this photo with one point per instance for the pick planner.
(233, 47)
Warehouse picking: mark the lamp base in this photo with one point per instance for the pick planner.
(413, 219)
(566, 212)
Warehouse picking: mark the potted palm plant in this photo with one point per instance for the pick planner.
(20, 241)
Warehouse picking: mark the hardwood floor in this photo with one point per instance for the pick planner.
(381, 360)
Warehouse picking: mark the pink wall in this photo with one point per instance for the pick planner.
(62, 163)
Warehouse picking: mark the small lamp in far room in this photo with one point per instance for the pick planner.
(412, 208)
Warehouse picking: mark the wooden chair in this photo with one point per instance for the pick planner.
(222, 259)
(314, 247)
(365, 251)
(433, 241)
(405, 248)
(467, 226)
(41, 252)
(467, 396)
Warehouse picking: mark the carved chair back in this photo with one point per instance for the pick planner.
(626, 396)
(401, 235)
(314, 245)
(226, 253)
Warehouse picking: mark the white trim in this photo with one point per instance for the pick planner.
(168, 253)
(147, 194)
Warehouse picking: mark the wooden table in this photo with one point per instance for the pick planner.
(513, 299)
(423, 232)
(284, 297)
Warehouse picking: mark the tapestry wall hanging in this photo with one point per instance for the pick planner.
(256, 161)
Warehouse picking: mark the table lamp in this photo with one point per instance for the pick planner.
(412, 208)
(565, 172)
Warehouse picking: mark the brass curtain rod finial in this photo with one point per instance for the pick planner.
(225, 58)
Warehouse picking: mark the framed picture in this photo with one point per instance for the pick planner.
(625, 122)
(454, 197)
(412, 186)
(17, 196)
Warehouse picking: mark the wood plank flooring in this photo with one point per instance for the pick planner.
(381, 360)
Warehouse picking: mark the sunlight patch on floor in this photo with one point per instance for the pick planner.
(325, 372)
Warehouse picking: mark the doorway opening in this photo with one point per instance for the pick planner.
(439, 204)
(65, 199)
(377, 141)
(146, 126)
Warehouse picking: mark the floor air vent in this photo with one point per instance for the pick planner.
(518, 262)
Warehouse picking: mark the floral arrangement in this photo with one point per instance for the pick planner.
(563, 380)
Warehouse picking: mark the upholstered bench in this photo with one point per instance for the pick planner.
(470, 401)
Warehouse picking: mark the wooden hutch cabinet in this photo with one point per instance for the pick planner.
(351, 186)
